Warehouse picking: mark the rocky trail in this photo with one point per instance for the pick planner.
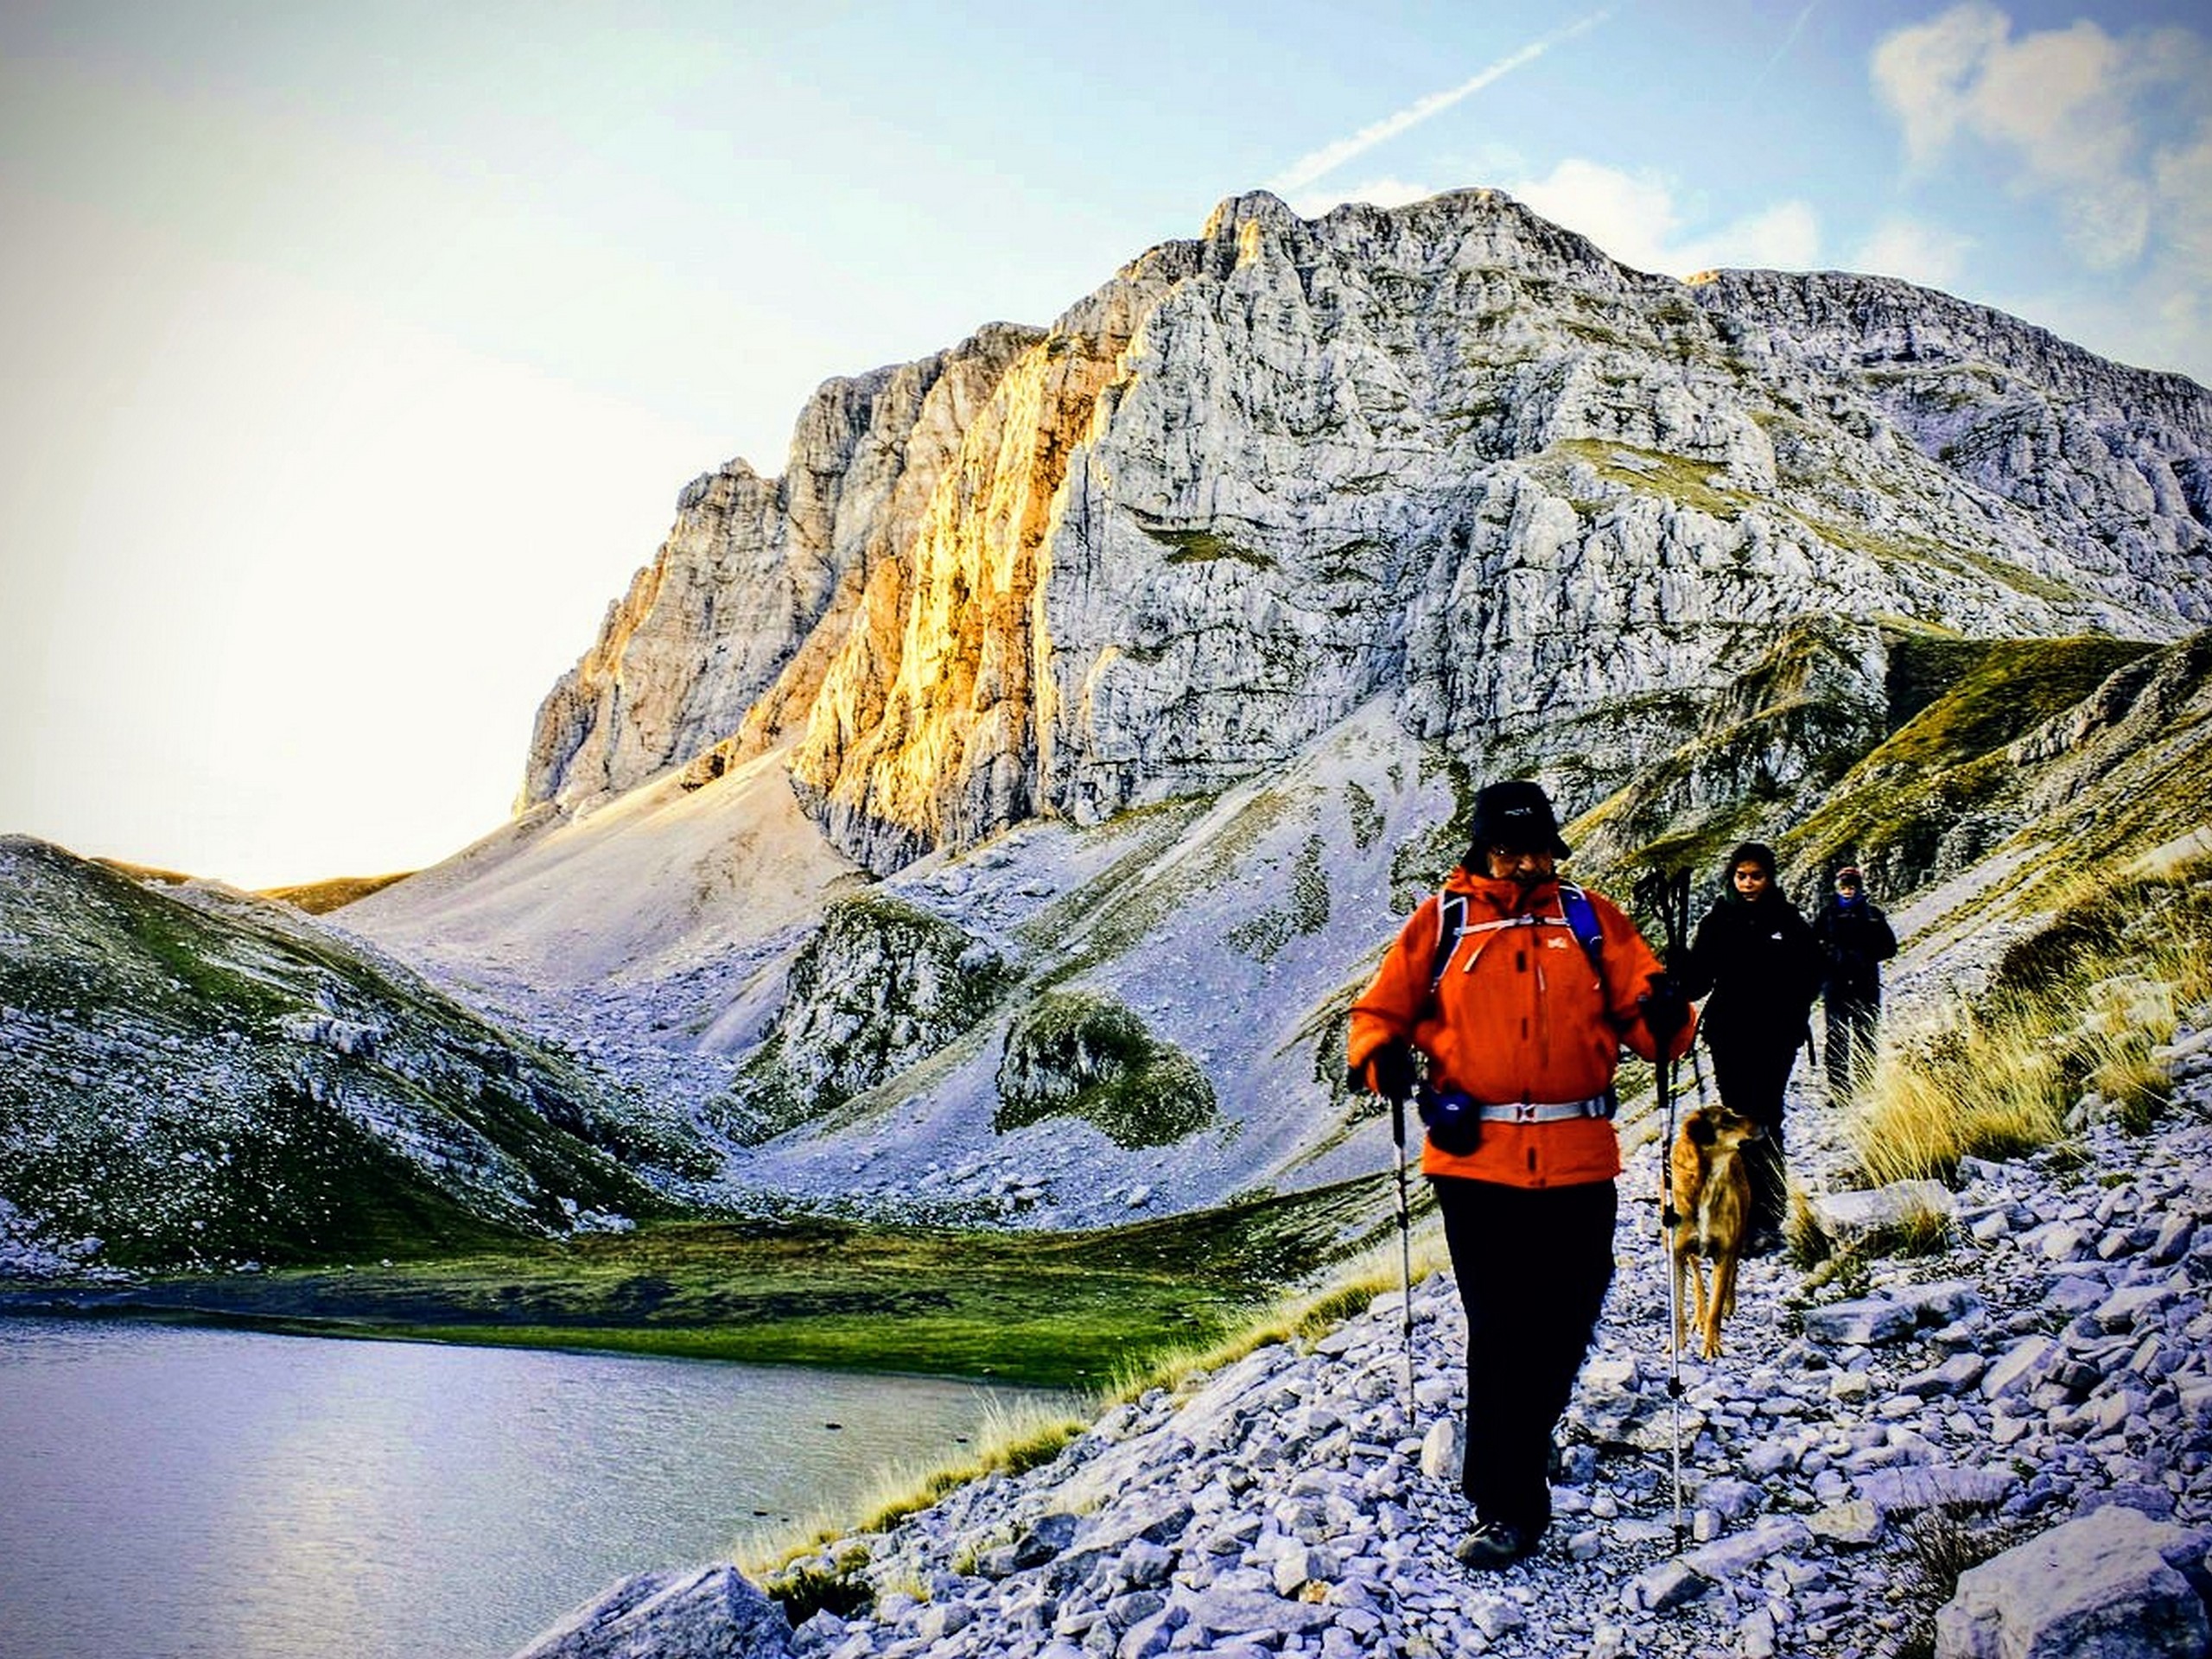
(2054, 1360)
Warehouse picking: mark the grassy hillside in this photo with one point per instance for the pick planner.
(320, 898)
(193, 1078)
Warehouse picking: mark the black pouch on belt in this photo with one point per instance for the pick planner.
(1454, 1120)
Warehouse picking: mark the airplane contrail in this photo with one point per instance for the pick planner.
(1788, 40)
(1303, 171)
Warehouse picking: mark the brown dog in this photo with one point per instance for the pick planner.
(1712, 1199)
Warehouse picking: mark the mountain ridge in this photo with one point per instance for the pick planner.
(1386, 445)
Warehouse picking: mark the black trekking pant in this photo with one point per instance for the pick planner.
(1750, 1077)
(1851, 1043)
(1532, 1266)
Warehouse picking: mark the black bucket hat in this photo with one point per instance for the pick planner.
(1517, 813)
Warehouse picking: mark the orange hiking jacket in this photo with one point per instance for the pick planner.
(1519, 1016)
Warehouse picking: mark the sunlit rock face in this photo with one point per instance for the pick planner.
(1448, 452)
(753, 568)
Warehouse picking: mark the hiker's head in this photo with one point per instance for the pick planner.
(1849, 884)
(1750, 870)
(1516, 833)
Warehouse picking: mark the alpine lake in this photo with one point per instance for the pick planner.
(466, 1449)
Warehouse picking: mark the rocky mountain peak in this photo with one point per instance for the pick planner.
(1448, 454)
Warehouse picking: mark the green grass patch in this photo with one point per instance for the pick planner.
(1654, 472)
(1058, 1310)
(1204, 547)
(1304, 908)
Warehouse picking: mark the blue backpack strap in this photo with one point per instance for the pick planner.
(1582, 921)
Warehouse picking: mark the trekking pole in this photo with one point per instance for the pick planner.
(1670, 896)
(1669, 1220)
(1405, 1249)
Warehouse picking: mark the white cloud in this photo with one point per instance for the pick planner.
(1917, 251)
(1320, 163)
(1785, 237)
(1923, 73)
(1634, 217)
(2112, 134)
(2072, 109)
(1380, 193)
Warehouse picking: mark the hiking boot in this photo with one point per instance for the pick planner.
(1493, 1544)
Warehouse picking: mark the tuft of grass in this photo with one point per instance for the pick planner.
(1297, 1317)
(2081, 1007)
(1939, 1546)
(1981, 1084)
(1655, 472)
(799, 1565)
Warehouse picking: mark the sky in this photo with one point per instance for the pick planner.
(352, 357)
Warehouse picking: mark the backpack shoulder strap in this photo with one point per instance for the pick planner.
(1451, 924)
(1582, 921)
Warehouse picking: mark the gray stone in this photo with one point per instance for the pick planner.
(1728, 1498)
(1723, 1560)
(2075, 1292)
(1955, 1375)
(1866, 1322)
(1044, 1540)
(2063, 1241)
(1443, 1450)
(713, 1613)
(2172, 1240)
(1855, 1524)
(1296, 1568)
(2021, 1368)
(2098, 1587)
(941, 1619)
(1494, 1616)
(1145, 1563)
(1667, 1585)
(2127, 1308)
(1943, 1302)
(1151, 1636)
(1154, 1516)
(1847, 1218)
(1246, 1610)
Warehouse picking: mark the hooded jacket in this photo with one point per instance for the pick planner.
(1519, 1015)
(1760, 962)
(1855, 938)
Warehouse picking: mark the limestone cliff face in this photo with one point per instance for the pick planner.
(1448, 452)
(751, 570)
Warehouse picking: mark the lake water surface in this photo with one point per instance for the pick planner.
(170, 1493)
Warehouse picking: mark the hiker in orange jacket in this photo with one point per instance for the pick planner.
(1522, 1025)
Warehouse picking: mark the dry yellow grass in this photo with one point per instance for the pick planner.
(2088, 1002)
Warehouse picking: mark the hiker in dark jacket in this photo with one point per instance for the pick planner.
(1756, 958)
(1855, 939)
